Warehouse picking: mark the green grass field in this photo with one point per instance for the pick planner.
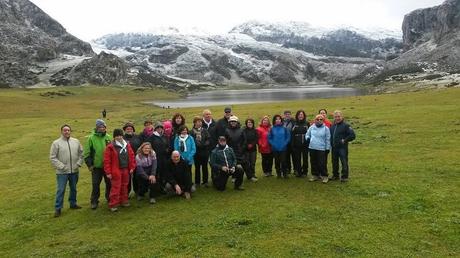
(403, 199)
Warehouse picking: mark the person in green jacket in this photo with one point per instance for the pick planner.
(94, 159)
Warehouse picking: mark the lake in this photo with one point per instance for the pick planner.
(231, 97)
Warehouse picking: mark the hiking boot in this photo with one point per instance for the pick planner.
(325, 180)
(193, 189)
(187, 196)
(94, 206)
(152, 201)
(205, 184)
(114, 209)
(75, 207)
(57, 213)
(334, 178)
(313, 178)
(344, 180)
(239, 188)
(126, 204)
(253, 179)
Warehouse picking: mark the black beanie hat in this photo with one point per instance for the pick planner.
(117, 132)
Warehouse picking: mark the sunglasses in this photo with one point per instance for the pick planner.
(319, 119)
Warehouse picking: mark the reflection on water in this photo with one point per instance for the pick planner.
(229, 97)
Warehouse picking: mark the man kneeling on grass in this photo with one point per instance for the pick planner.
(223, 165)
(178, 176)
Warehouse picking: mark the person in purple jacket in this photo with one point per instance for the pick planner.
(146, 169)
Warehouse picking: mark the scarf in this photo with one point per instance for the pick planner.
(122, 144)
(182, 143)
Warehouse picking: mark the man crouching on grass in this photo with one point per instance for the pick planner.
(66, 155)
(223, 165)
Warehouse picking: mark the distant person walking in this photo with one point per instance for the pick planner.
(342, 134)
(94, 159)
(104, 113)
(119, 164)
(319, 138)
(66, 155)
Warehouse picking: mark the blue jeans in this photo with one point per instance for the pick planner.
(61, 180)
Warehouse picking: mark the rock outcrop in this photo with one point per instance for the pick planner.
(29, 37)
(431, 37)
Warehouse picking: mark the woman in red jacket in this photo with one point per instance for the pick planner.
(264, 147)
(119, 163)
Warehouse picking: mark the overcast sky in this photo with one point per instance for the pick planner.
(89, 19)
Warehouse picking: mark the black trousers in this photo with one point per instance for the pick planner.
(280, 162)
(220, 178)
(267, 162)
(201, 164)
(288, 163)
(250, 164)
(145, 185)
(318, 162)
(342, 154)
(96, 178)
(300, 154)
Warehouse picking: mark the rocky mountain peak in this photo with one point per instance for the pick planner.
(433, 23)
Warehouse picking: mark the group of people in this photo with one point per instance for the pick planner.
(159, 160)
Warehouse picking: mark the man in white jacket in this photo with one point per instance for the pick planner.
(66, 155)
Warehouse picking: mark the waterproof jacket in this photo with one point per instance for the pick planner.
(221, 157)
(160, 145)
(221, 126)
(211, 128)
(319, 137)
(299, 130)
(66, 155)
(251, 138)
(262, 141)
(134, 139)
(112, 162)
(93, 152)
(341, 131)
(188, 151)
(203, 145)
(288, 123)
(235, 140)
(146, 166)
(175, 174)
(279, 138)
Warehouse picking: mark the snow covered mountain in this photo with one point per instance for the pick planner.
(263, 53)
(230, 58)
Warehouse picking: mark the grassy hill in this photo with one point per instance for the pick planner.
(403, 198)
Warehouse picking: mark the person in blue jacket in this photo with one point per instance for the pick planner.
(279, 138)
(320, 142)
(185, 145)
